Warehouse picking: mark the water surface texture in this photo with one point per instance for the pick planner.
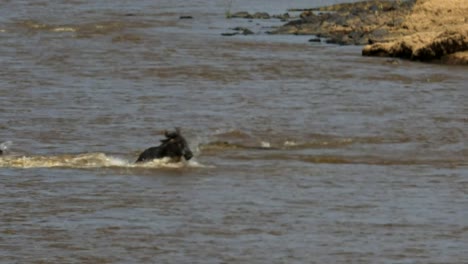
(304, 153)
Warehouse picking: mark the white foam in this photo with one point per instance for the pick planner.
(265, 144)
(168, 163)
(111, 161)
(290, 143)
(160, 163)
(5, 145)
(195, 164)
(63, 29)
(91, 160)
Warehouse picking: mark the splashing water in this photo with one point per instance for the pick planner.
(5, 145)
(89, 160)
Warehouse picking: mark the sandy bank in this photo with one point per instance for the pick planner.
(435, 30)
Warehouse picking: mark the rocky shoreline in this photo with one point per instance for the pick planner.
(422, 30)
(434, 31)
(350, 23)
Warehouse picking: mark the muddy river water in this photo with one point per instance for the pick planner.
(304, 152)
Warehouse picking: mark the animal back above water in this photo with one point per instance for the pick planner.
(174, 146)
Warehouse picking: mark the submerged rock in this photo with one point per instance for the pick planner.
(393, 61)
(315, 40)
(282, 17)
(229, 34)
(261, 15)
(239, 31)
(242, 14)
(244, 31)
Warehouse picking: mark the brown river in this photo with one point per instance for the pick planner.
(304, 152)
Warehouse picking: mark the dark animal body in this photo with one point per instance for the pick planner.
(174, 146)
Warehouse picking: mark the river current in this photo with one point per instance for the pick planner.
(304, 152)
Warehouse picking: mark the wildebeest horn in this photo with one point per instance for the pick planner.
(172, 134)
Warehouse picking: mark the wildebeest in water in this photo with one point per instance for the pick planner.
(174, 146)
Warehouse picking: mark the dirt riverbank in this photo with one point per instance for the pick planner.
(423, 30)
(435, 30)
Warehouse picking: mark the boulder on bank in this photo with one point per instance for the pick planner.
(460, 58)
(261, 15)
(425, 46)
(247, 15)
(436, 30)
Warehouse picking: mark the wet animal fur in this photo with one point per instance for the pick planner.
(174, 146)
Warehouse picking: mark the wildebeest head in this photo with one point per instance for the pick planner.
(175, 145)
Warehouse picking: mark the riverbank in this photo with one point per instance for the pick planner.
(423, 30)
(350, 23)
(435, 30)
